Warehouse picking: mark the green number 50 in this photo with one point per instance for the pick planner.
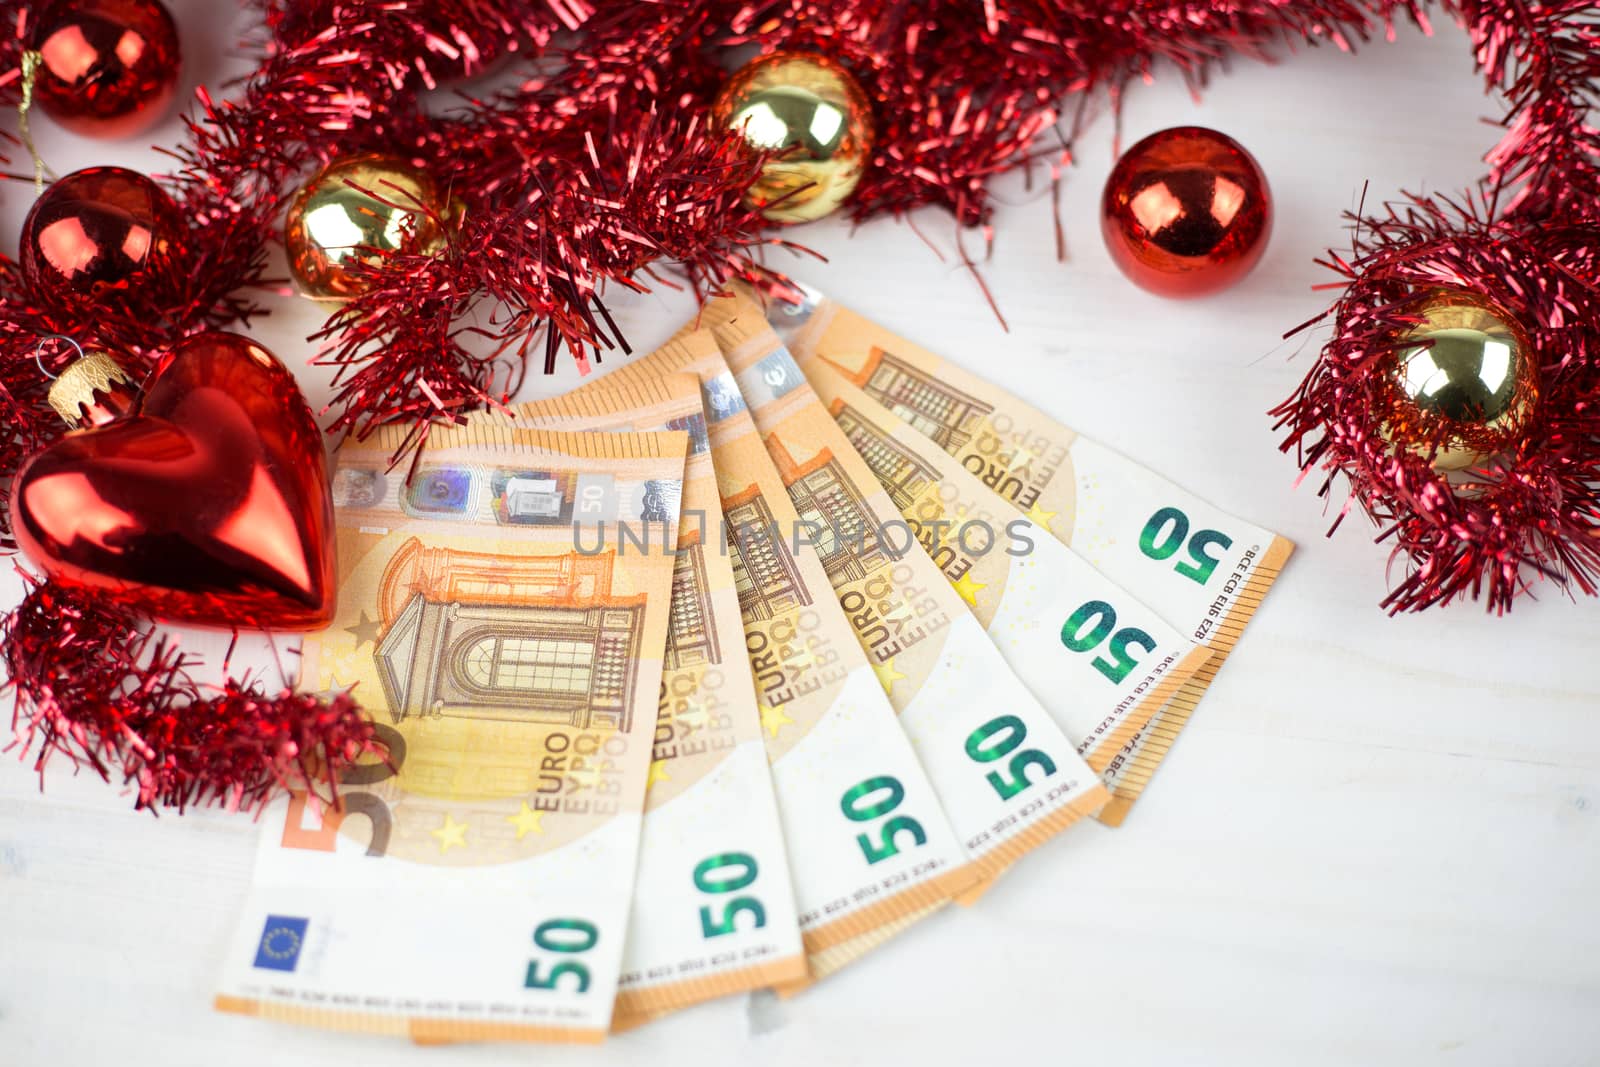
(892, 793)
(1079, 634)
(728, 872)
(999, 738)
(567, 937)
(1167, 531)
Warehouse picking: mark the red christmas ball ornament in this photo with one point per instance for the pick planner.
(97, 232)
(106, 68)
(205, 501)
(1186, 212)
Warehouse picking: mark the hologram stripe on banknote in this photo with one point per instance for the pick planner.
(713, 909)
(513, 675)
(779, 584)
(1205, 570)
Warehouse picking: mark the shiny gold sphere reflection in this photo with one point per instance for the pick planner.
(359, 210)
(814, 114)
(1467, 378)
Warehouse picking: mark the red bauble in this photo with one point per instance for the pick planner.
(97, 232)
(1186, 212)
(207, 503)
(108, 68)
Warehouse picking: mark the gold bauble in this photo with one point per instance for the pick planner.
(1466, 378)
(358, 210)
(814, 114)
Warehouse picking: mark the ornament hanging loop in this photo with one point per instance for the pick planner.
(38, 352)
(31, 61)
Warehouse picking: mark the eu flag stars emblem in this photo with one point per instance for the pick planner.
(281, 941)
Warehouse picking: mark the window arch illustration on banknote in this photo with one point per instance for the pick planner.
(832, 512)
(764, 572)
(490, 636)
(692, 637)
(945, 414)
(904, 476)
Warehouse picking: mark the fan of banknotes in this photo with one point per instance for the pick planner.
(716, 674)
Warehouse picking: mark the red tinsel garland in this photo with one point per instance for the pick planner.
(1532, 512)
(600, 163)
(1529, 240)
(95, 686)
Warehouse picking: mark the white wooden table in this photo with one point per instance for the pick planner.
(1378, 841)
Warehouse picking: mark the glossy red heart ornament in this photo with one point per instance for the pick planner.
(208, 503)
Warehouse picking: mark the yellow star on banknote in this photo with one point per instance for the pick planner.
(586, 777)
(338, 666)
(334, 688)
(887, 675)
(696, 713)
(773, 720)
(967, 588)
(527, 821)
(1039, 516)
(658, 772)
(451, 834)
(366, 631)
(801, 659)
(1020, 459)
(901, 612)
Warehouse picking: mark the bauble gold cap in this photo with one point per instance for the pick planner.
(86, 385)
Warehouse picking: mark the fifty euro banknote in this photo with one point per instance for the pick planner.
(713, 907)
(1008, 773)
(1102, 661)
(957, 520)
(1202, 569)
(476, 884)
(869, 843)
(1038, 620)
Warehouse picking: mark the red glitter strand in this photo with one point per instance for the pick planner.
(95, 686)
